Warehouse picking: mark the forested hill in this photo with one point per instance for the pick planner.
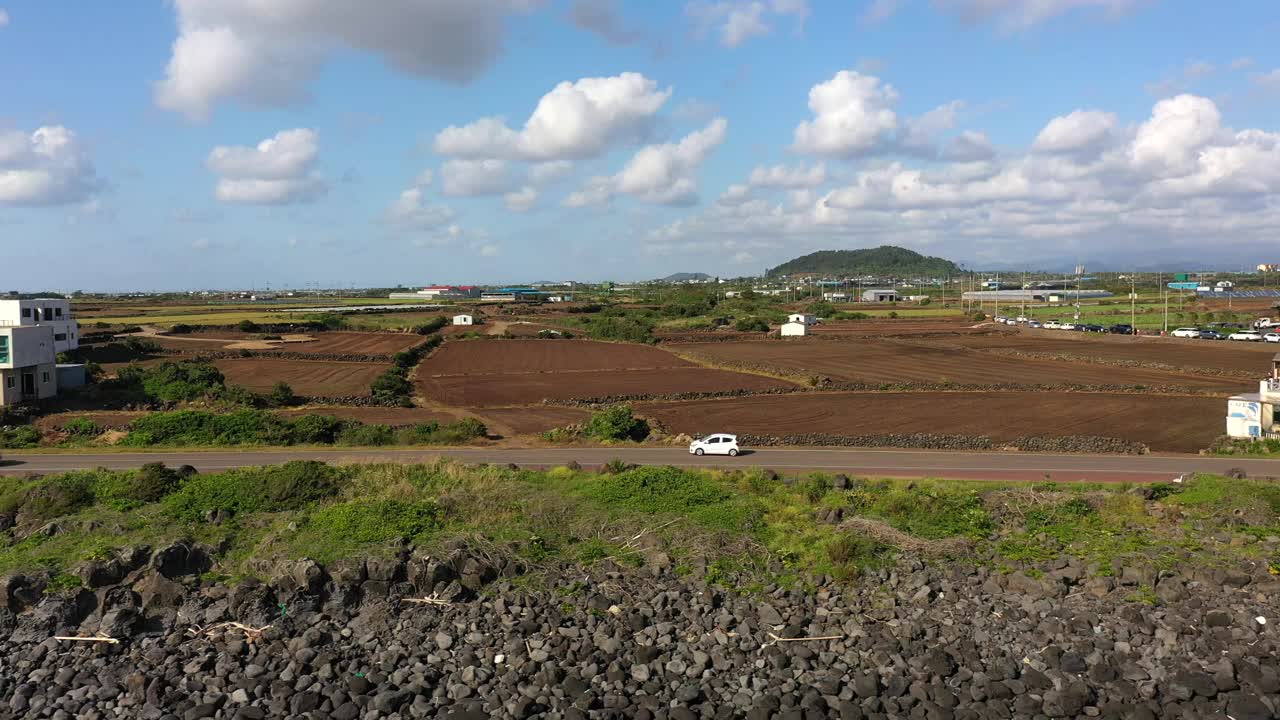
(885, 260)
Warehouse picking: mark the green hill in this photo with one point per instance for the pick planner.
(884, 260)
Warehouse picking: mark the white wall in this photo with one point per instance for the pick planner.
(31, 345)
(59, 318)
(463, 320)
(793, 329)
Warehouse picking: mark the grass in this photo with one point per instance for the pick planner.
(743, 525)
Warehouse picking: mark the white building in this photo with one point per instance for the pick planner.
(880, 296)
(54, 313)
(802, 318)
(463, 320)
(794, 329)
(28, 364)
(837, 297)
(1252, 416)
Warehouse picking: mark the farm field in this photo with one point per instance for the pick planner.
(896, 328)
(482, 357)
(531, 420)
(526, 388)
(889, 362)
(1191, 354)
(335, 343)
(395, 417)
(1164, 423)
(315, 378)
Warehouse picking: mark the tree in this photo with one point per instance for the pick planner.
(822, 308)
(751, 324)
(616, 423)
(248, 326)
(281, 395)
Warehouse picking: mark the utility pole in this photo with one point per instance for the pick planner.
(1133, 303)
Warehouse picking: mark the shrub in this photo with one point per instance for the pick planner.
(627, 329)
(59, 495)
(316, 429)
(363, 522)
(675, 491)
(281, 395)
(126, 490)
(24, 436)
(927, 301)
(248, 326)
(371, 435)
(430, 326)
(180, 329)
(822, 308)
(263, 489)
(979, 316)
(198, 427)
(392, 386)
(81, 428)
(751, 324)
(815, 487)
(852, 554)
(855, 316)
(616, 423)
(175, 381)
(893, 314)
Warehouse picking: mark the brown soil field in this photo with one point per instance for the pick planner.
(533, 387)
(1163, 423)
(395, 417)
(902, 328)
(336, 343)
(106, 419)
(531, 420)
(480, 357)
(1250, 357)
(887, 362)
(316, 378)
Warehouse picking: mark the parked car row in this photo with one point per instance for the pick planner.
(1121, 329)
(1238, 336)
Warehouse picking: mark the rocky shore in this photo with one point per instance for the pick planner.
(469, 636)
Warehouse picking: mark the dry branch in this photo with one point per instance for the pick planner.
(774, 639)
(250, 633)
(84, 638)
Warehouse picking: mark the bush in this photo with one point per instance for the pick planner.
(751, 324)
(59, 495)
(247, 326)
(979, 316)
(368, 435)
(675, 491)
(927, 301)
(616, 423)
(198, 427)
(822, 308)
(127, 490)
(24, 436)
(81, 428)
(893, 314)
(851, 554)
(392, 386)
(180, 329)
(363, 522)
(627, 329)
(316, 429)
(431, 326)
(175, 381)
(281, 395)
(263, 489)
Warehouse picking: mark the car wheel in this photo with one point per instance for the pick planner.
(698, 451)
(733, 452)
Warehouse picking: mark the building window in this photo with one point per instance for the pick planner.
(4, 349)
(57, 312)
(26, 312)
(44, 377)
(9, 381)
(59, 336)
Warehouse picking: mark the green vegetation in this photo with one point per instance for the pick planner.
(625, 328)
(616, 423)
(393, 386)
(173, 382)
(23, 436)
(886, 260)
(742, 522)
(200, 428)
(751, 324)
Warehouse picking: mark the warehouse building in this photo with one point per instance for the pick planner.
(879, 296)
(1252, 416)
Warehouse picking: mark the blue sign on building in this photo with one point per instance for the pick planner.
(1183, 285)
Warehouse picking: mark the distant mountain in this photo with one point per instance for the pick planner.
(685, 277)
(885, 260)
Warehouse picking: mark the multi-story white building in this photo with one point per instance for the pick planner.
(53, 313)
(32, 333)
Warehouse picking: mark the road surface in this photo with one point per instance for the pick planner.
(885, 463)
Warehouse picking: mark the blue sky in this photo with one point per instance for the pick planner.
(223, 143)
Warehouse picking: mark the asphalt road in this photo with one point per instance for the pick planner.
(885, 463)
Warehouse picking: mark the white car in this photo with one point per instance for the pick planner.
(1053, 325)
(719, 444)
(1186, 333)
(1021, 319)
(1245, 336)
(1272, 337)
(1067, 326)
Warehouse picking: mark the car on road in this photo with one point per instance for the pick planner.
(1000, 319)
(1186, 332)
(1121, 329)
(1211, 335)
(1021, 319)
(1067, 326)
(718, 444)
(1246, 336)
(1053, 325)
(1271, 337)
(1093, 328)
(1033, 324)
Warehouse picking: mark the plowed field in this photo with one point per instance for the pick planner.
(334, 343)
(902, 328)
(888, 362)
(306, 377)
(1190, 354)
(532, 387)
(395, 417)
(480, 357)
(531, 420)
(1164, 423)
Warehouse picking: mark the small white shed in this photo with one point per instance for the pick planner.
(794, 329)
(463, 320)
(802, 318)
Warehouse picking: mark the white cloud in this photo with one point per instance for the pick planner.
(658, 174)
(546, 173)
(853, 114)
(265, 53)
(1015, 15)
(1170, 142)
(522, 200)
(411, 212)
(781, 176)
(919, 135)
(575, 120)
(969, 146)
(1242, 63)
(49, 166)
(475, 177)
(4, 17)
(1269, 82)
(424, 178)
(879, 10)
(1085, 187)
(737, 21)
(277, 171)
(1079, 131)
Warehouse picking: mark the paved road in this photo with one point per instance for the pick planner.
(887, 463)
